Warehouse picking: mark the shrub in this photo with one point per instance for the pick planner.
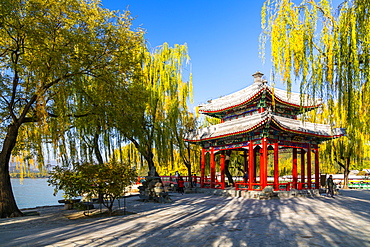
(90, 180)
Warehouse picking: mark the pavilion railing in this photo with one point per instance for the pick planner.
(281, 186)
(208, 183)
(302, 186)
(245, 186)
(172, 180)
(239, 185)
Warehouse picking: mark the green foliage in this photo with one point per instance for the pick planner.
(328, 51)
(285, 164)
(167, 93)
(186, 153)
(76, 82)
(91, 180)
(61, 60)
(352, 148)
(130, 155)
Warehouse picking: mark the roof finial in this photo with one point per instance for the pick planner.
(257, 77)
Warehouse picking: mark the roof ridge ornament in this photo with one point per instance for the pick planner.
(258, 78)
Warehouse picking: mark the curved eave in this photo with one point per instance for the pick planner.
(229, 134)
(291, 104)
(233, 106)
(253, 97)
(306, 133)
(222, 130)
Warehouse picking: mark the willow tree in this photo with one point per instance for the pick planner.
(348, 152)
(328, 51)
(130, 155)
(95, 136)
(188, 153)
(168, 90)
(49, 50)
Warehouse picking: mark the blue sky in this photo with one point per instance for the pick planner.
(222, 38)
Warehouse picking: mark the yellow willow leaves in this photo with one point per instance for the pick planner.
(129, 155)
(297, 40)
(41, 114)
(163, 78)
(132, 156)
(288, 38)
(167, 91)
(24, 163)
(208, 121)
(353, 146)
(326, 49)
(177, 164)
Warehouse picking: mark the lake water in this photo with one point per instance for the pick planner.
(30, 193)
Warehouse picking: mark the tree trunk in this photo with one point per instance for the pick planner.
(190, 178)
(227, 172)
(346, 172)
(147, 153)
(188, 165)
(100, 160)
(8, 206)
(149, 158)
(108, 203)
(97, 152)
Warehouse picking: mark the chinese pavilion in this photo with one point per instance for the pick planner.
(261, 120)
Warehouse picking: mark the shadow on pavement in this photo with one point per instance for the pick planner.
(202, 220)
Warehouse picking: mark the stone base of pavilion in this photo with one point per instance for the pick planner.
(264, 194)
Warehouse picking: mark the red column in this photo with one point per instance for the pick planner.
(213, 168)
(276, 165)
(260, 153)
(309, 167)
(202, 167)
(257, 153)
(317, 168)
(222, 168)
(263, 168)
(303, 174)
(251, 165)
(294, 171)
(245, 166)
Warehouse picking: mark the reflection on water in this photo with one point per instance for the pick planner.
(31, 192)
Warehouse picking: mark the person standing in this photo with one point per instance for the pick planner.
(330, 184)
(194, 180)
(180, 185)
(177, 175)
(246, 177)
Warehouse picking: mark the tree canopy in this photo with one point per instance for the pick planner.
(168, 89)
(77, 81)
(58, 61)
(327, 51)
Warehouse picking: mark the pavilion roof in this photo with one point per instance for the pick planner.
(253, 91)
(250, 123)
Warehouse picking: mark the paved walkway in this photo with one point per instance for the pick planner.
(200, 220)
